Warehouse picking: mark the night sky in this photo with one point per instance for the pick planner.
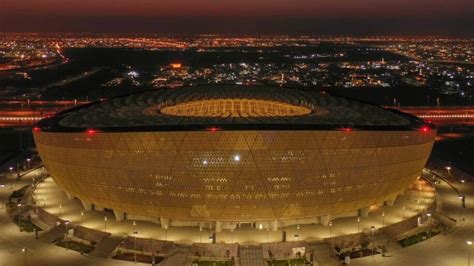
(333, 17)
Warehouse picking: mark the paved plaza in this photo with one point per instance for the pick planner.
(49, 195)
(444, 249)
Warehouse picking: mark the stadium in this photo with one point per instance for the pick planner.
(217, 156)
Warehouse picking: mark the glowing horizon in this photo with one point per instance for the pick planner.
(204, 16)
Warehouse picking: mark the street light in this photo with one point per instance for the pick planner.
(60, 210)
(105, 223)
(28, 162)
(166, 232)
(3, 201)
(469, 243)
(82, 217)
(135, 233)
(200, 234)
(461, 197)
(383, 219)
(11, 177)
(372, 228)
(43, 173)
(67, 232)
(24, 252)
(449, 170)
(19, 215)
(232, 236)
(429, 223)
(358, 224)
(297, 235)
(268, 231)
(330, 229)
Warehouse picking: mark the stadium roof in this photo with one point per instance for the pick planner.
(228, 107)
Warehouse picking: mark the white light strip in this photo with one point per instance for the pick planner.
(12, 118)
(448, 116)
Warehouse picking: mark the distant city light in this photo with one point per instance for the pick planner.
(133, 74)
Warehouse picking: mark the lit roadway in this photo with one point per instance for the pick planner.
(14, 112)
(72, 78)
(444, 116)
(446, 249)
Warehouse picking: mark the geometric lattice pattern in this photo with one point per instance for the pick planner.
(235, 108)
(251, 175)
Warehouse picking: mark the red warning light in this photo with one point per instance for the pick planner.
(346, 129)
(36, 129)
(214, 129)
(424, 129)
(91, 132)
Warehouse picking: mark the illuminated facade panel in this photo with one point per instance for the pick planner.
(232, 171)
(235, 175)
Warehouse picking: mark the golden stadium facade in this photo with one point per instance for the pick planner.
(230, 154)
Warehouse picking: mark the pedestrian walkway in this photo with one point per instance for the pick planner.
(105, 247)
(17, 247)
(180, 257)
(251, 256)
(54, 234)
(324, 254)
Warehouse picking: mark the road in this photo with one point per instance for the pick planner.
(444, 116)
(72, 78)
(14, 112)
(448, 249)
